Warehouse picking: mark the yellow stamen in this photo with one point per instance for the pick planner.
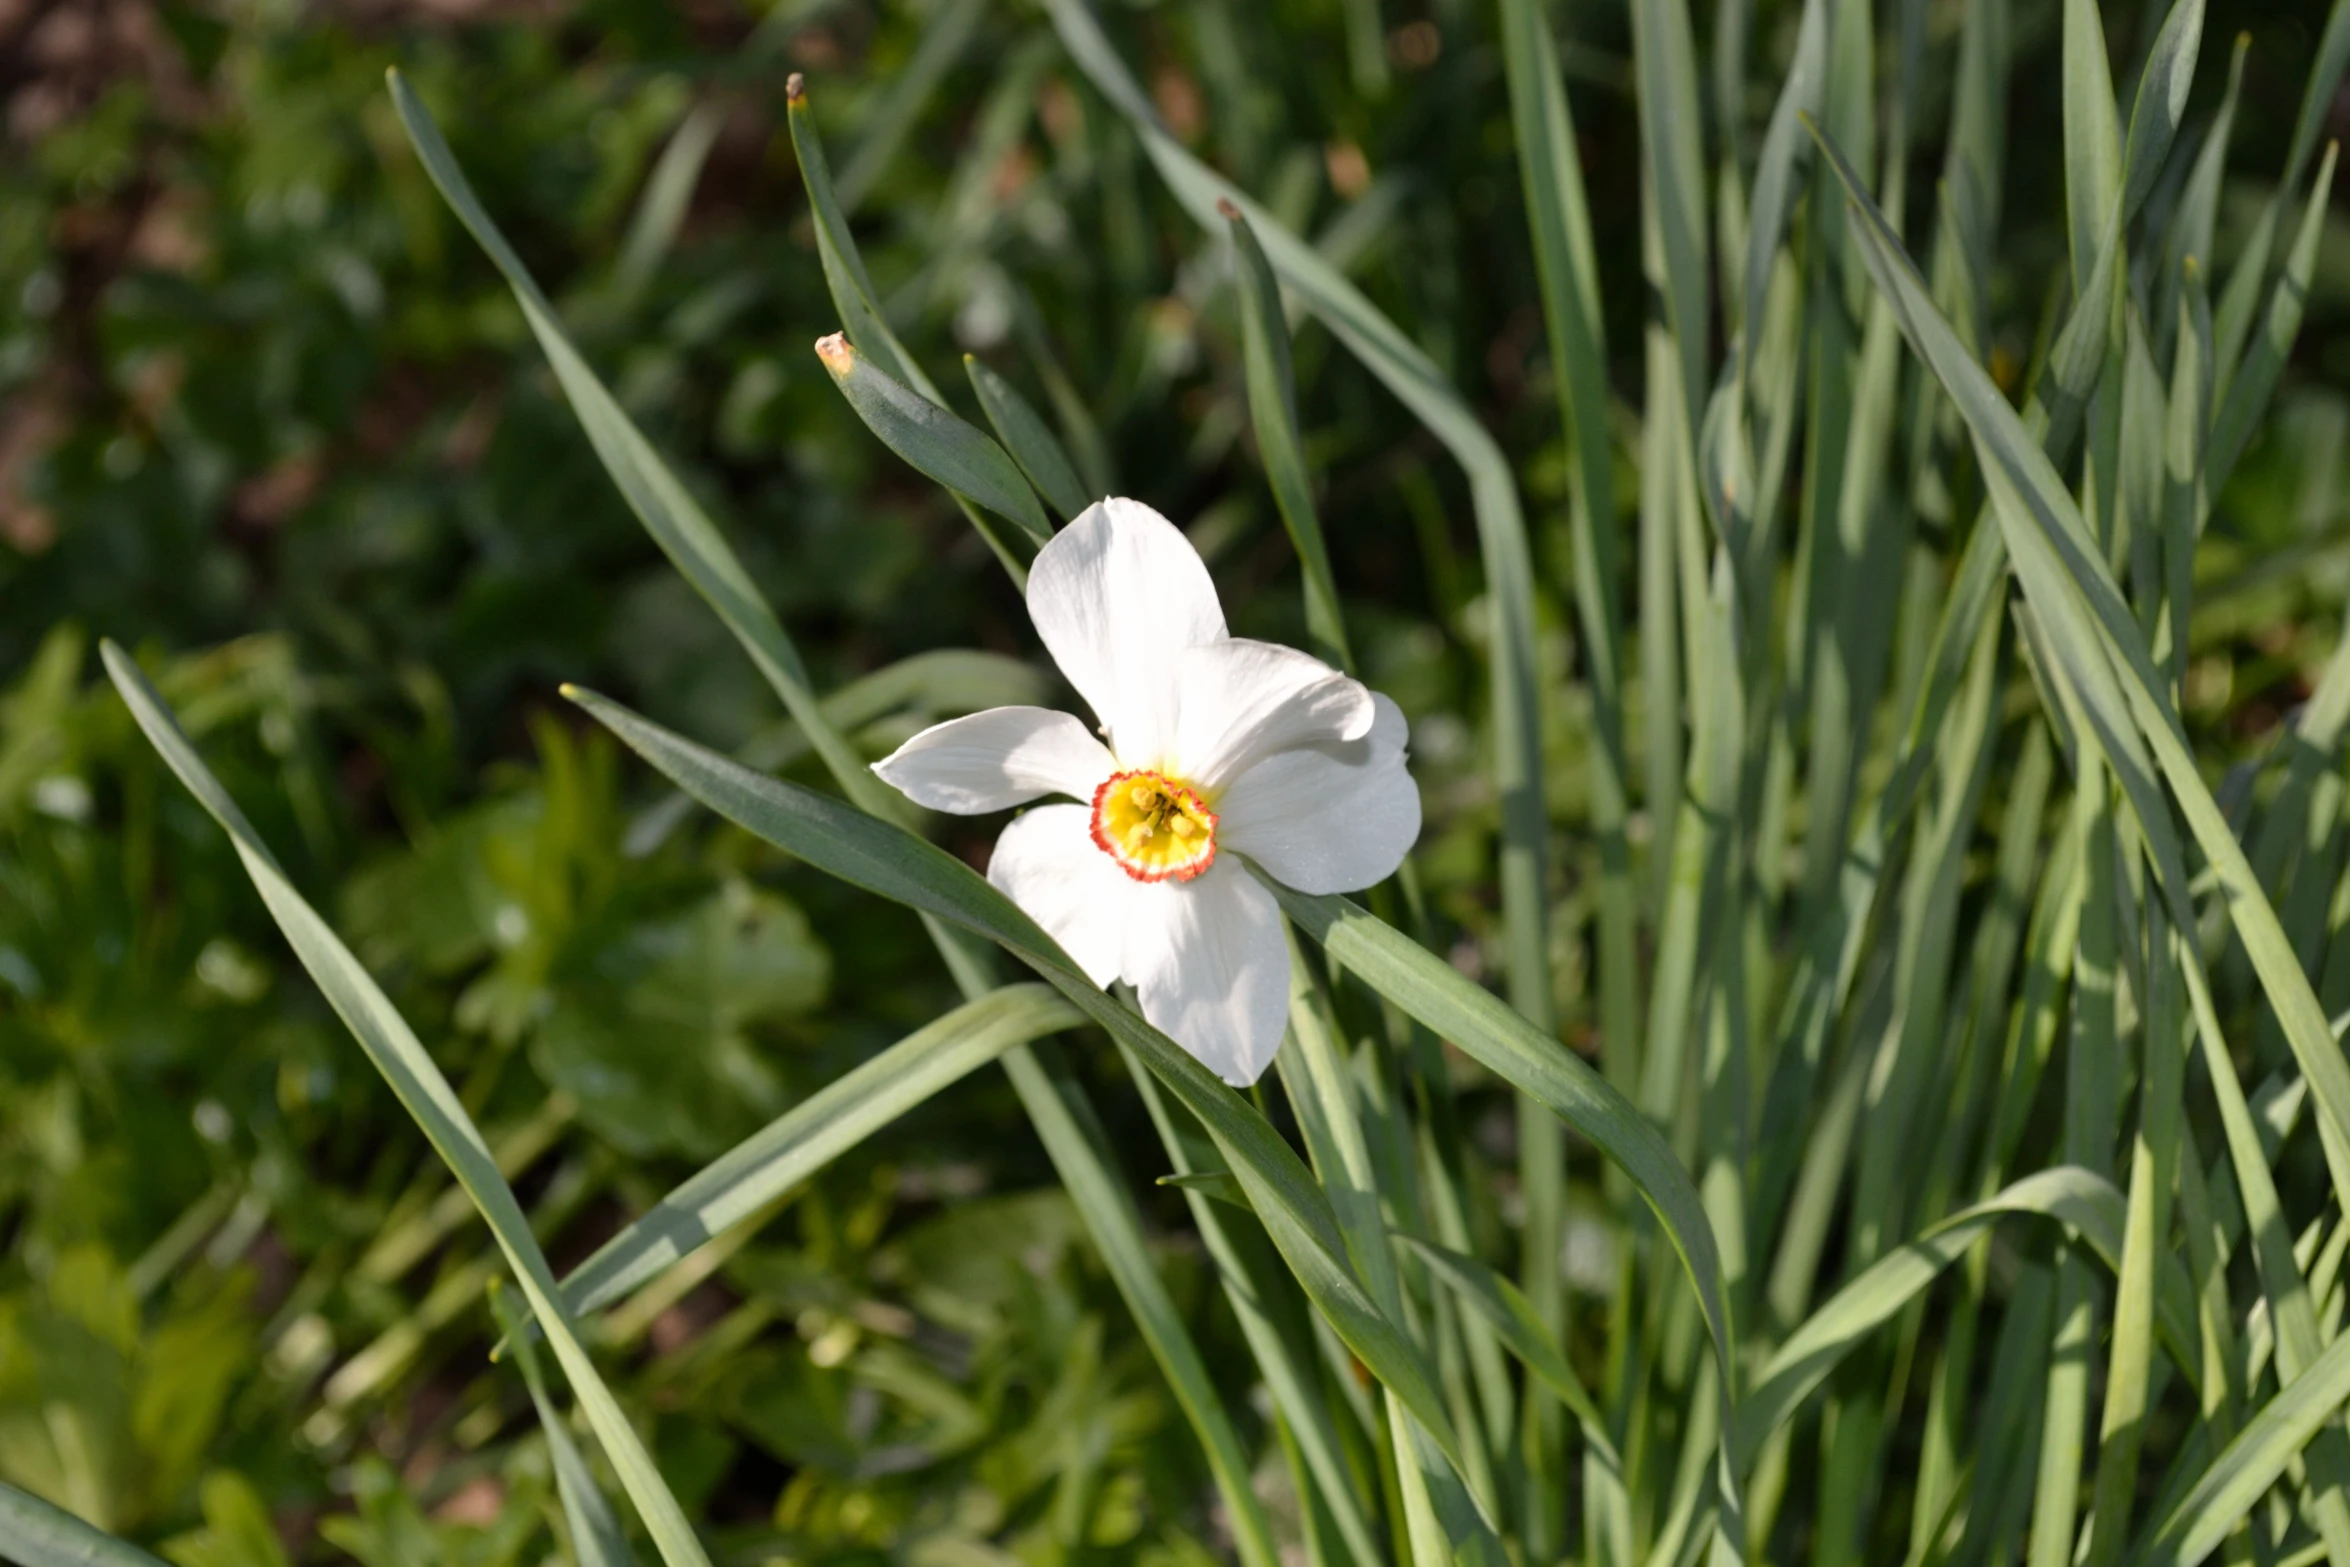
(1154, 826)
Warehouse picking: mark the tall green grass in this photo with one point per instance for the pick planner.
(1960, 1170)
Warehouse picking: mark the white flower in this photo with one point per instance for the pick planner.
(1216, 746)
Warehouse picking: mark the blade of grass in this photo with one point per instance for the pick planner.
(1480, 1025)
(2255, 379)
(2161, 103)
(941, 683)
(1443, 1522)
(2092, 136)
(2066, 579)
(2145, 1238)
(1492, 1296)
(426, 1095)
(596, 1540)
(2317, 98)
(947, 32)
(1664, 59)
(661, 210)
(2080, 1199)
(2193, 220)
(1779, 170)
(1550, 171)
(1272, 407)
(2250, 1465)
(663, 504)
(1079, 1148)
(2298, 1344)
(1286, 1363)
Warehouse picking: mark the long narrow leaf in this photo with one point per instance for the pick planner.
(886, 859)
(35, 1533)
(1025, 435)
(829, 1122)
(662, 503)
(956, 454)
(596, 1540)
(397, 1053)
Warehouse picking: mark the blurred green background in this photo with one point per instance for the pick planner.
(269, 418)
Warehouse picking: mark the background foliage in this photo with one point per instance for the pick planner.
(271, 419)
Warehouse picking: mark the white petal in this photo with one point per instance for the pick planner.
(1212, 965)
(1047, 863)
(995, 760)
(1116, 596)
(1330, 817)
(1242, 700)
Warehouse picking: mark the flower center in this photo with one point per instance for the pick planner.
(1154, 826)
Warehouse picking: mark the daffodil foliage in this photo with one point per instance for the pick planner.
(1771, 993)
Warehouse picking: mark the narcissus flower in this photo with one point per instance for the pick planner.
(1211, 747)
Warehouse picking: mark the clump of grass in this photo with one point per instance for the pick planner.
(1952, 1158)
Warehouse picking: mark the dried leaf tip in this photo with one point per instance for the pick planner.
(795, 88)
(1225, 206)
(837, 354)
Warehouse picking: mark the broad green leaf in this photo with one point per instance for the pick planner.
(933, 440)
(886, 859)
(35, 1533)
(1025, 435)
(822, 1127)
(417, 1081)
